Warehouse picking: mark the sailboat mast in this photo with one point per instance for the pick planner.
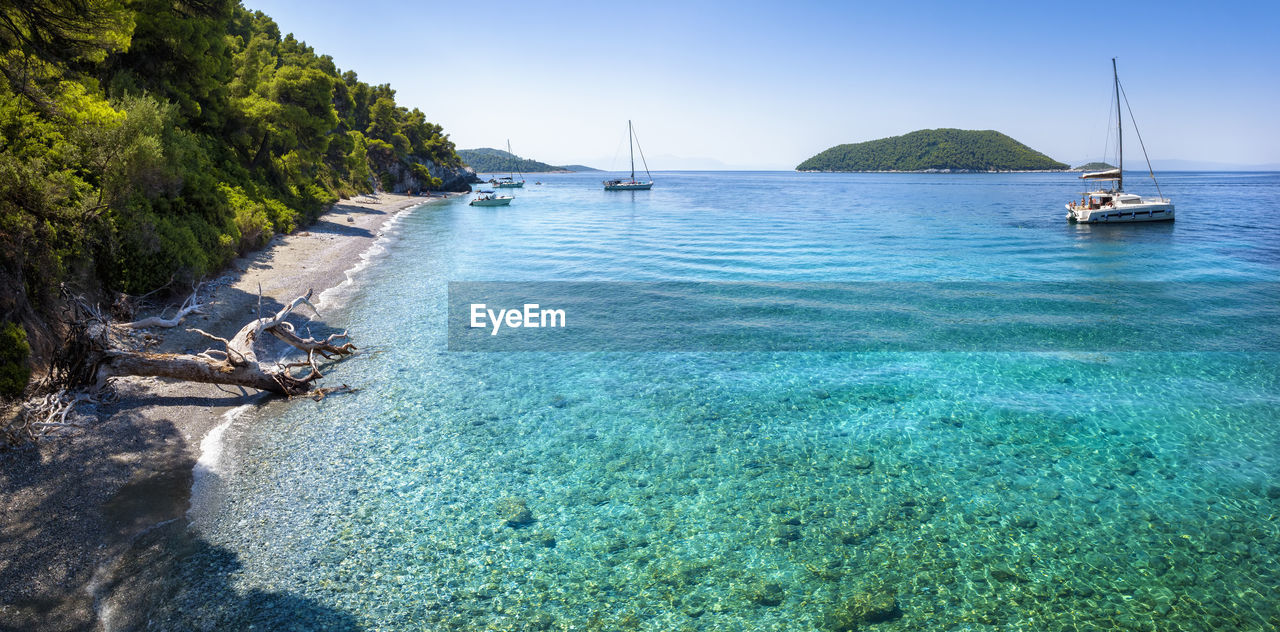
(1119, 126)
(631, 145)
(513, 158)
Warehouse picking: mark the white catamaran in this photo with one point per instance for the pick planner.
(1108, 206)
(632, 184)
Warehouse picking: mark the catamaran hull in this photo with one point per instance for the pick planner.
(1125, 213)
(638, 186)
(502, 201)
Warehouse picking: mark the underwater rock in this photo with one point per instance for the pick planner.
(1273, 492)
(820, 394)
(830, 569)
(873, 606)
(1159, 565)
(559, 401)
(542, 621)
(786, 533)
(861, 462)
(515, 513)
(1025, 522)
(767, 594)
(1006, 575)
(546, 540)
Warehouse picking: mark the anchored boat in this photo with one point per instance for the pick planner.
(1110, 206)
(509, 181)
(488, 198)
(632, 184)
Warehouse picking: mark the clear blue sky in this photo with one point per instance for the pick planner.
(766, 85)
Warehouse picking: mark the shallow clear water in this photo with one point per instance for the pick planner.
(752, 490)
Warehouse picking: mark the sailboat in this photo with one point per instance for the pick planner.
(632, 184)
(509, 181)
(1110, 206)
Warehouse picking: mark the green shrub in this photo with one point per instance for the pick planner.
(14, 351)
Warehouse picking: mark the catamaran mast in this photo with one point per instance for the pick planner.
(1119, 127)
(631, 145)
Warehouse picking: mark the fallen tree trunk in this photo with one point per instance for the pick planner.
(237, 364)
(88, 355)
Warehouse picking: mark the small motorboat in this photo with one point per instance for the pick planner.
(489, 198)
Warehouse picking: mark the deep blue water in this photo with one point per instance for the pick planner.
(1072, 489)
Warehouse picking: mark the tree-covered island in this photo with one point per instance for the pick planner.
(935, 150)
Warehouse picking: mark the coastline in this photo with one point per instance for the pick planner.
(72, 510)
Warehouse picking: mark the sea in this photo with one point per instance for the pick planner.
(780, 401)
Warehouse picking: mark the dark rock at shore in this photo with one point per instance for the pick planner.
(403, 180)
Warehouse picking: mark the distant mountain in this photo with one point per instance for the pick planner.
(934, 150)
(577, 168)
(486, 160)
(1174, 164)
(1093, 166)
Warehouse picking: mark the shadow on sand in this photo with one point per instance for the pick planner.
(93, 526)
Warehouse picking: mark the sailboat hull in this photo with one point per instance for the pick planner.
(628, 186)
(510, 185)
(1122, 214)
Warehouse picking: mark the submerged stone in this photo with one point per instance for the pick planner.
(786, 533)
(767, 594)
(873, 606)
(515, 513)
(1006, 575)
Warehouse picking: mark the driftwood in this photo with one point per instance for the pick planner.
(190, 306)
(89, 356)
(236, 363)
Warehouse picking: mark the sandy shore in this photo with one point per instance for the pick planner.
(78, 515)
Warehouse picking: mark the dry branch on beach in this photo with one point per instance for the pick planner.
(237, 363)
(91, 357)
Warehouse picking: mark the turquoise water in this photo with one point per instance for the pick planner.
(1074, 490)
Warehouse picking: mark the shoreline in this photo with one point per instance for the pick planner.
(79, 515)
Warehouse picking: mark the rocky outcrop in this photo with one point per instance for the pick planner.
(405, 178)
(412, 174)
(454, 178)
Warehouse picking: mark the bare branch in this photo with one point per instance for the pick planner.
(189, 306)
